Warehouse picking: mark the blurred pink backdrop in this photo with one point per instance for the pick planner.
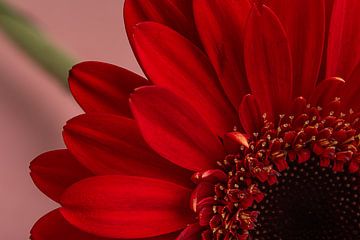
(34, 107)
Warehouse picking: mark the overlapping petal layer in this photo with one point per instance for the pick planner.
(214, 68)
(216, 21)
(304, 24)
(126, 207)
(102, 87)
(185, 71)
(268, 61)
(53, 172)
(53, 226)
(343, 52)
(174, 129)
(177, 14)
(110, 144)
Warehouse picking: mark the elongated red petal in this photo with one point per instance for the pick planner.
(174, 129)
(176, 14)
(344, 36)
(185, 71)
(304, 23)
(126, 207)
(53, 226)
(328, 12)
(268, 62)
(103, 87)
(327, 91)
(351, 90)
(250, 115)
(109, 144)
(221, 26)
(53, 172)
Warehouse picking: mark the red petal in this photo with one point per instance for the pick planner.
(109, 144)
(216, 22)
(351, 90)
(268, 62)
(126, 207)
(298, 106)
(176, 14)
(304, 23)
(185, 71)
(53, 172)
(233, 141)
(328, 11)
(202, 190)
(192, 232)
(205, 215)
(326, 92)
(174, 129)
(102, 87)
(250, 115)
(344, 36)
(211, 176)
(53, 226)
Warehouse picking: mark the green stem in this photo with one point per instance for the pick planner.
(26, 36)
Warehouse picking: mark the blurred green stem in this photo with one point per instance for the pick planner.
(26, 36)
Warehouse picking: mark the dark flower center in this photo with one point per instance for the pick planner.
(298, 179)
(310, 203)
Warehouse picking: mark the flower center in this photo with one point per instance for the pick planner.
(310, 202)
(298, 179)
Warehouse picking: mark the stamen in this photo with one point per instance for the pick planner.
(311, 149)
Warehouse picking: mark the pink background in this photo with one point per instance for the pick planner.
(33, 107)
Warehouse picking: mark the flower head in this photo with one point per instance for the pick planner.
(248, 127)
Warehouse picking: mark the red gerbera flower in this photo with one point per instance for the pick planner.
(248, 128)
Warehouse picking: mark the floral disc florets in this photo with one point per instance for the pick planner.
(303, 169)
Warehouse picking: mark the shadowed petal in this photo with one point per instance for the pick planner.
(110, 144)
(173, 129)
(176, 14)
(304, 23)
(327, 91)
(250, 115)
(351, 90)
(328, 12)
(268, 62)
(185, 71)
(103, 87)
(221, 26)
(53, 226)
(53, 172)
(344, 36)
(126, 207)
